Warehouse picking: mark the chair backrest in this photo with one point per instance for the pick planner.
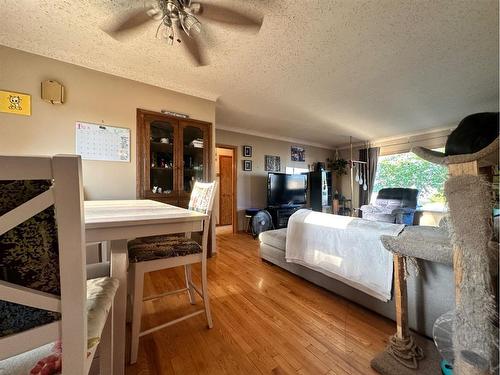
(202, 200)
(202, 197)
(42, 257)
(403, 197)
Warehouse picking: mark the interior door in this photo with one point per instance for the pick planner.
(226, 190)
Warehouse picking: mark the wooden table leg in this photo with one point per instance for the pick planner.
(119, 260)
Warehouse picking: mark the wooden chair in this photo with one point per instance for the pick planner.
(161, 252)
(44, 295)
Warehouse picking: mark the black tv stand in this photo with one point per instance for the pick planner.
(281, 214)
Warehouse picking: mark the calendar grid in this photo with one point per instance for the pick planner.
(102, 142)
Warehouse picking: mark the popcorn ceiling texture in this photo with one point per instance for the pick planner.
(319, 70)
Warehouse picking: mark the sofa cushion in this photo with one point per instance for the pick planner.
(403, 197)
(275, 238)
(388, 218)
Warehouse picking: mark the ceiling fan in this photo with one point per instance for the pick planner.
(179, 22)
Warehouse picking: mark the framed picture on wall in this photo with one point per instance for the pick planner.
(247, 151)
(15, 103)
(298, 153)
(272, 163)
(247, 165)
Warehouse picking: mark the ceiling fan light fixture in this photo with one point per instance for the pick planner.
(195, 8)
(155, 13)
(190, 24)
(178, 17)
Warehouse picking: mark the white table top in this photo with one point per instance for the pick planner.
(119, 213)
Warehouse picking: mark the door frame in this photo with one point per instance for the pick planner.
(235, 182)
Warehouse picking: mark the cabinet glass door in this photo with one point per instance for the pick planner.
(193, 161)
(161, 158)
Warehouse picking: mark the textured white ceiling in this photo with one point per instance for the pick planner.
(318, 70)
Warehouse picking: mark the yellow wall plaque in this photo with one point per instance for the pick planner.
(15, 102)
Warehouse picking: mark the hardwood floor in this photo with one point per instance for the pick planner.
(266, 321)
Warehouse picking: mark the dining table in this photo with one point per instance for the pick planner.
(114, 222)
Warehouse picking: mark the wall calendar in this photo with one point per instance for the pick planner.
(102, 142)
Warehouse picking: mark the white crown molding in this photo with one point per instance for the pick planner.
(380, 142)
(273, 136)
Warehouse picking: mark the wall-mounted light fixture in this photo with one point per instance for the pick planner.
(52, 92)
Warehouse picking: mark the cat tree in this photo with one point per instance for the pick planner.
(469, 250)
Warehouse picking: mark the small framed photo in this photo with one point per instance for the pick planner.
(298, 153)
(272, 163)
(247, 151)
(247, 165)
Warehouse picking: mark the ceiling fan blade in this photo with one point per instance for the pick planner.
(228, 16)
(130, 20)
(193, 47)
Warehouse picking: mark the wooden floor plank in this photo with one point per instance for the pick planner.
(266, 321)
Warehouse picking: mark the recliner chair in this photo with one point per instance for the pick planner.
(393, 205)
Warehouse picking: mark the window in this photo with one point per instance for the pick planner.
(409, 171)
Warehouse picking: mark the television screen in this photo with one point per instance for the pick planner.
(286, 189)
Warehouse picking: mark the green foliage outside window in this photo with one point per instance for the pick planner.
(409, 171)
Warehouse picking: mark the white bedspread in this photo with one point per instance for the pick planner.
(345, 248)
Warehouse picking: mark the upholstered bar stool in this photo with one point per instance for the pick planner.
(161, 252)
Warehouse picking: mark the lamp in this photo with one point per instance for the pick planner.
(190, 23)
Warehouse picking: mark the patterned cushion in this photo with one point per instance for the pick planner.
(22, 364)
(29, 256)
(161, 247)
(100, 295)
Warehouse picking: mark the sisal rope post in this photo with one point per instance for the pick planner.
(401, 298)
(466, 363)
(402, 346)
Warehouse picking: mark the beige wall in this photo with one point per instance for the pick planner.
(92, 97)
(252, 186)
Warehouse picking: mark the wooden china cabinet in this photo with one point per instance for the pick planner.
(172, 154)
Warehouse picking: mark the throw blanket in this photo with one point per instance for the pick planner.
(345, 248)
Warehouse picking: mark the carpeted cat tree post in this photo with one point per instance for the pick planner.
(473, 144)
(475, 257)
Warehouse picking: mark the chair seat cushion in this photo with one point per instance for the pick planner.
(100, 295)
(22, 364)
(161, 247)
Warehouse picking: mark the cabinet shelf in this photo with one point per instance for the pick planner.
(161, 147)
(179, 153)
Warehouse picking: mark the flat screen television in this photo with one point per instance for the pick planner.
(286, 189)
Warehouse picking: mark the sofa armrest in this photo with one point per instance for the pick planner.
(403, 210)
(369, 208)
